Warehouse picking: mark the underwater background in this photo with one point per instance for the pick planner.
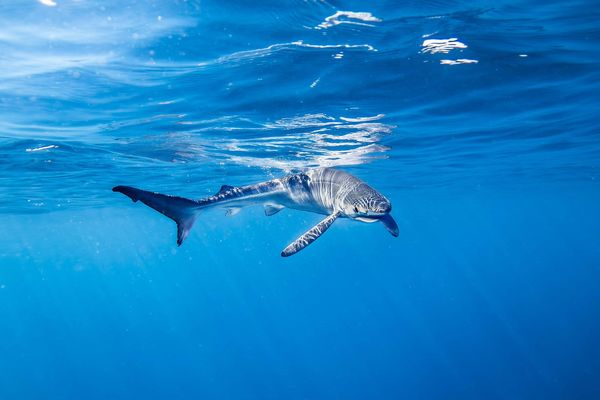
(478, 120)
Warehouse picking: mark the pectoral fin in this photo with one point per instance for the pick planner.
(271, 209)
(309, 236)
(390, 224)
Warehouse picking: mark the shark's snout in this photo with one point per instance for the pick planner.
(384, 207)
(378, 210)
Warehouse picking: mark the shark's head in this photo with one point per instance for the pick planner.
(364, 202)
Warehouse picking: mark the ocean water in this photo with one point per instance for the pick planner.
(478, 120)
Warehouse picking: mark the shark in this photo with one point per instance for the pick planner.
(331, 192)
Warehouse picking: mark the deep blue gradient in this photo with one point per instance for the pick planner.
(489, 149)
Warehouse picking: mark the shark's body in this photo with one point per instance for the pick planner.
(326, 191)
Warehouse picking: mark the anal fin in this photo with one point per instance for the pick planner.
(232, 211)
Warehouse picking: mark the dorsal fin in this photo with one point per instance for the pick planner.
(225, 188)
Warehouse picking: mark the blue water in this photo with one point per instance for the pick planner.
(478, 120)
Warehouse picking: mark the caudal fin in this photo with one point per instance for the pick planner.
(181, 210)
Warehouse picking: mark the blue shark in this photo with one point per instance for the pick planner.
(327, 191)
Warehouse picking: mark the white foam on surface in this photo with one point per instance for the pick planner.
(349, 18)
(458, 61)
(433, 46)
(48, 3)
(363, 119)
(49, 147)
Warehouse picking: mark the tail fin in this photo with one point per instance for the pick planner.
(181, 210)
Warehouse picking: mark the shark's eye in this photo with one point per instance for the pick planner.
(355, 209)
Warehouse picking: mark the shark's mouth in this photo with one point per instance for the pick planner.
(373, 214)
